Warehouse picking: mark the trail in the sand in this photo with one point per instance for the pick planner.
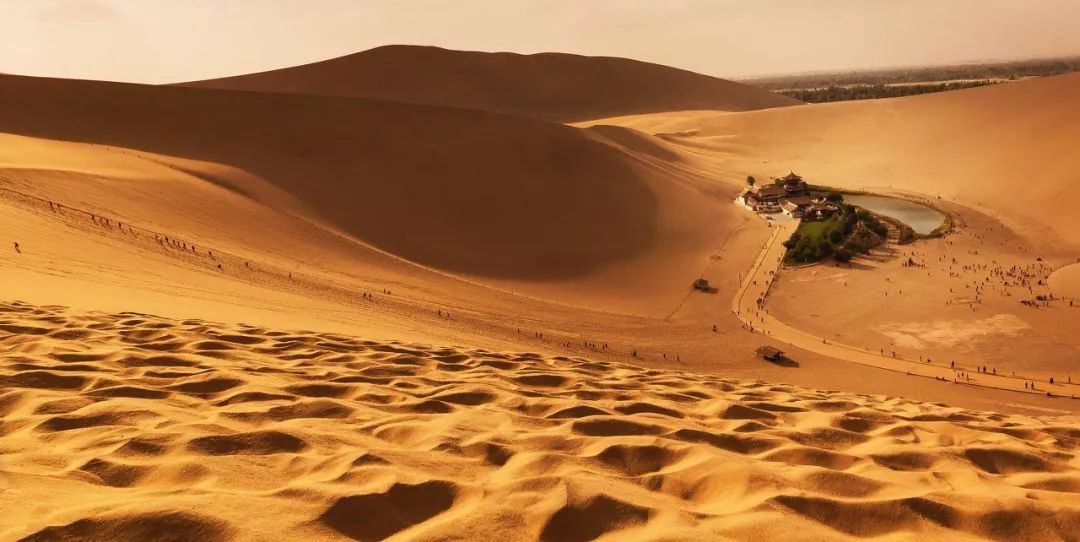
(756, 287)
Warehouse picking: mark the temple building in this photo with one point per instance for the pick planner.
(795, 205)
(793, 184)
(763, 199)
(787, 194)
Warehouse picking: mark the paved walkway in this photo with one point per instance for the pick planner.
(748, 304)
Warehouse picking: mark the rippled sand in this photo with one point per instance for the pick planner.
(134, 427)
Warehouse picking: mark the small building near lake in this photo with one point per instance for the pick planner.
(794, 206)
(820, 211)
(763, 199)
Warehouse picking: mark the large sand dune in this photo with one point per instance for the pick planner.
(1065, 282)
(135, 427)
(552, 86)
(463, 191)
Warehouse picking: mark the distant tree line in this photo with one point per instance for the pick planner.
(997, 71)
(836, 93)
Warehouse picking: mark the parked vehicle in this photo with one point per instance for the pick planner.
(769, 353)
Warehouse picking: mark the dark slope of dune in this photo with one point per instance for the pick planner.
(553, 86)
(461, 190)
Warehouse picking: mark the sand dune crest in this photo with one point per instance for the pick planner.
(553, 86)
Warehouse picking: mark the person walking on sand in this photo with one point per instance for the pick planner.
(17, 249)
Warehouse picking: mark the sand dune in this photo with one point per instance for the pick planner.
(1000, 159)
(553, 86)
(189, 429)
(1065, 282)
(1008, 148)
(372, 221)
(192, 169)
(448, 188)
(464, 192)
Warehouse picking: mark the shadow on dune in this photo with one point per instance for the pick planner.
(552, 86)
(377, 516)
(785, 361)
(635, 141)
(460, 190)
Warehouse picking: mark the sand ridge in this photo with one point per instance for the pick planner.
(190, 428)
(634, 219)
(552, 86)
(1065, 282)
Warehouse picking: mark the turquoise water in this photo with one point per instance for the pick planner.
(921, 218)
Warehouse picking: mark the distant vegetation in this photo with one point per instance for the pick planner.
(870, 92)
(861, 85)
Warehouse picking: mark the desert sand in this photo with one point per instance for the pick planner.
(1065, 281)
(965, 152)
(1003, 148)
(168, 428)
(503, 338)
(553, 86)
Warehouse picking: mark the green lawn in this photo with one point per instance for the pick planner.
(818, 230)
(810, 235)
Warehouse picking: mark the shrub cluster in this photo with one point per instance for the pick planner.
(852, 231)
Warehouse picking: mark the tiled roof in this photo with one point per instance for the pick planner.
(770, 191)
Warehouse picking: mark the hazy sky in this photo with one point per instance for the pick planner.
(178, 40)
